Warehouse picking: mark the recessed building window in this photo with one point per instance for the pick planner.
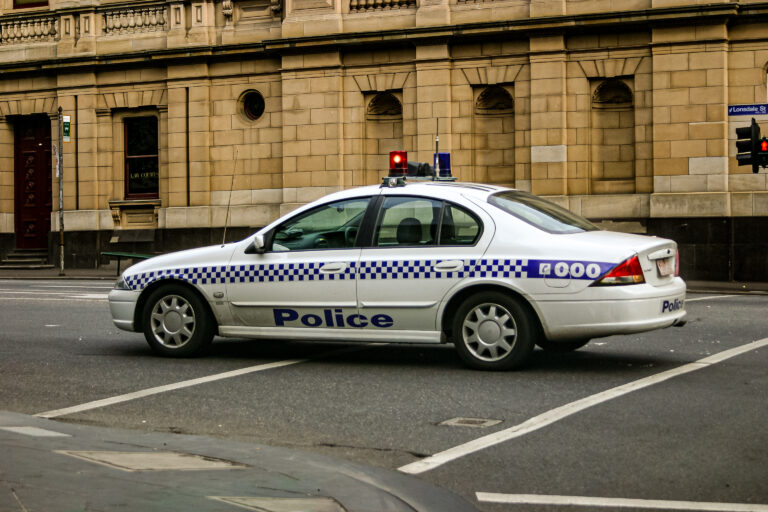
(23, 4)
(141, 162)
(253, 105)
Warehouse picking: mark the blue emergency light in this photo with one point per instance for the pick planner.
(442, 162)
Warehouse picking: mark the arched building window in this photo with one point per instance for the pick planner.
(384, 106)
(613, 138)
(494, 135)
(383, 132)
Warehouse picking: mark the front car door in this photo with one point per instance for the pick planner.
(303, 285)
(421, 249)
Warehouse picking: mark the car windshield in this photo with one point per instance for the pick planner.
(540, 212)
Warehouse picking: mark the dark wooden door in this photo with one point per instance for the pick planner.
(32, 183)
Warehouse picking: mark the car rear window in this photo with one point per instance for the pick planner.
(540, 212)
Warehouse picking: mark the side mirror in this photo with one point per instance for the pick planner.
(257, 246)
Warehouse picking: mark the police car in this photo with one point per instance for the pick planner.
(490, 269)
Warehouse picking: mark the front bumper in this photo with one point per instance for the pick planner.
(122, 305)
(620, 310)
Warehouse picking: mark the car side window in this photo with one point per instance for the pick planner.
(407, 221)
(458, 227)
(330, 226)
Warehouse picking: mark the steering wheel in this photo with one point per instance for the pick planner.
(350, 234)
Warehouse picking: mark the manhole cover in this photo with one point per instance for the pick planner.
(153, 461)
(470, 422)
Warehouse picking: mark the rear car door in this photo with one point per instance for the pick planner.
(421, 248)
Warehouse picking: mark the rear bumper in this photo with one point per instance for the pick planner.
(122, 305)
(619, 310)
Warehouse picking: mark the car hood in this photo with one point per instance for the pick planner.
(213, 255)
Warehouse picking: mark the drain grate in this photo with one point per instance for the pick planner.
(470, 422)
(153, 461)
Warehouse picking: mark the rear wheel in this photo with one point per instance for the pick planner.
(176, 322)
(493, 332)
(561, 346)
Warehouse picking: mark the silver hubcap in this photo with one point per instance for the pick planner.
(173, 321)
(489, 332)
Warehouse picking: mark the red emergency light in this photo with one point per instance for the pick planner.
(398, 163)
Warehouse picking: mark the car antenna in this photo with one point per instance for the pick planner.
(229, 200)
(436, 162)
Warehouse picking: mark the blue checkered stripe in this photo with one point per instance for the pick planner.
(499, 268)
(407, 269)
(273, 272)
(373, 270)
(423, 269)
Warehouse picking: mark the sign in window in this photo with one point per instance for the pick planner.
(141, 162)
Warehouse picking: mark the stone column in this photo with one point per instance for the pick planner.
(178, 138)
(433, 101)
(6, 176)
(312, 128)
(690, 131)
(549, 152)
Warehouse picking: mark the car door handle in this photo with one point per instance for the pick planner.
(333, 268)
(449, 266)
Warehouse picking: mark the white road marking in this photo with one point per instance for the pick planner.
(34, 432)
(74, 286)
(189, 383)
(712, 297)
(102, 296)
(582, 501)
(36, 292)
(562, 412)
(168, 387)
(38, 299)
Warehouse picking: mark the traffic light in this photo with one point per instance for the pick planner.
(748, 145)
(762, 153)
(398, 163)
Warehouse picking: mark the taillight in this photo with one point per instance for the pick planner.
(627, 272)
(677, 263)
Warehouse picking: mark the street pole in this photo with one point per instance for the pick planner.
(60, 175)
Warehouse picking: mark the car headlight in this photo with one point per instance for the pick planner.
(121, 284)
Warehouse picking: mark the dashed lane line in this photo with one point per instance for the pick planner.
(711, 297)
(593, 502)
(96, 404)
(562, 412)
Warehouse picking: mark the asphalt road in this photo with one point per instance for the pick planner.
(695, 437)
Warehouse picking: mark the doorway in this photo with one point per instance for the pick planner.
(32, 181)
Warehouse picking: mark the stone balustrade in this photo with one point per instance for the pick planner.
(135, 20)
(33, 28)
(379, 5)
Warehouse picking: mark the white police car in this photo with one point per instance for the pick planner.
(492, 270)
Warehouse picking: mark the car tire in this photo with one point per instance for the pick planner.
(493, 331)
(177, 322)
(561, 346)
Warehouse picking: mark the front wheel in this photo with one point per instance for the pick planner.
(493, 332)
(176, 322)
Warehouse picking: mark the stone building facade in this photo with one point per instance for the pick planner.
(187, 115)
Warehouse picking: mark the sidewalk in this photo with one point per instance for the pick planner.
(103, 272)
(51, 465)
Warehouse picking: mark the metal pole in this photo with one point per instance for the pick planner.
(436, 167)
(60, 174)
